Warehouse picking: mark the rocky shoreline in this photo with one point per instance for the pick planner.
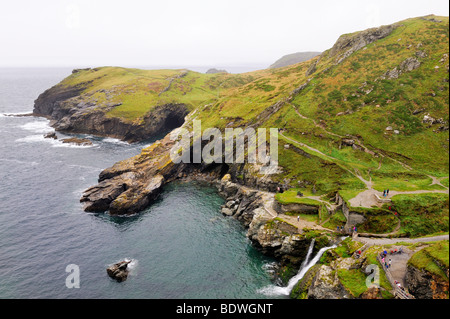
(257, 211)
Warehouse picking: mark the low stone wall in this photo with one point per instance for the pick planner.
(296, 208)
(382, 199)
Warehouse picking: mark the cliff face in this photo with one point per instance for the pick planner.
(425, 285)
(428, 272)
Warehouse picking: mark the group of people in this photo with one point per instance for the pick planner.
(350, 230)
(395, 251)
(385, 192)
(388, 263)
(385, 262)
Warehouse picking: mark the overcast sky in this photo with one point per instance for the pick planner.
(89, 33)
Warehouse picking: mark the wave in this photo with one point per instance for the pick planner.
(31, 139)
(38, 127)
(114, 141)
(70, 145)
(54, 143)
(18, 114)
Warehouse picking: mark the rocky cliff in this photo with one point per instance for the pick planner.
(426, 285)
(72, 111)
(428, 272)
(129, 186)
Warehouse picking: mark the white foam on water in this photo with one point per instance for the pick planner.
(70, 145)
(31, 139)
(270, 267)
(132, 266)
(114, 141)
(38, 127)
(54, 143)
(18, 114)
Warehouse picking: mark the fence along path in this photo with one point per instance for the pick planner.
(398, 292)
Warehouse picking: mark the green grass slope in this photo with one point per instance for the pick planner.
(374, 107)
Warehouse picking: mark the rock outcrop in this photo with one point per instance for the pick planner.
(71, 111)
(131, 185)
(349, 43)
(407, 65)
(51, 135)
(119, 271)
(326, 285)
(425, 285)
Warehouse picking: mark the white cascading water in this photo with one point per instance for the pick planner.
(276, 290)
(308, 255)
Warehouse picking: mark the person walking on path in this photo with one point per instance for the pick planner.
(384, 193)
(387, 192)
(298, 218)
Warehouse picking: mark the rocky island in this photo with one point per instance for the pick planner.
(368, 115)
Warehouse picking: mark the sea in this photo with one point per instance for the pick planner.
(181, 247)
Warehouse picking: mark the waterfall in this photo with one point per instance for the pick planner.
(276, 290)
(308, 255)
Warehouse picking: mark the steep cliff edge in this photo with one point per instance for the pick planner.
(427, 274)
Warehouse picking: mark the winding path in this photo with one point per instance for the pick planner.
(392, 241)
(367, 197)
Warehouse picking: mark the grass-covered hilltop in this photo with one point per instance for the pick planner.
(367, 115)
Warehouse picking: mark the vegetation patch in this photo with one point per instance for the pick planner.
(422, 214)
(433, 259)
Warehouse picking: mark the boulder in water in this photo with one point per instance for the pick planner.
(51, 135)
(119, 271)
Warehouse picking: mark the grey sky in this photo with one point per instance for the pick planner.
(79, 33)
